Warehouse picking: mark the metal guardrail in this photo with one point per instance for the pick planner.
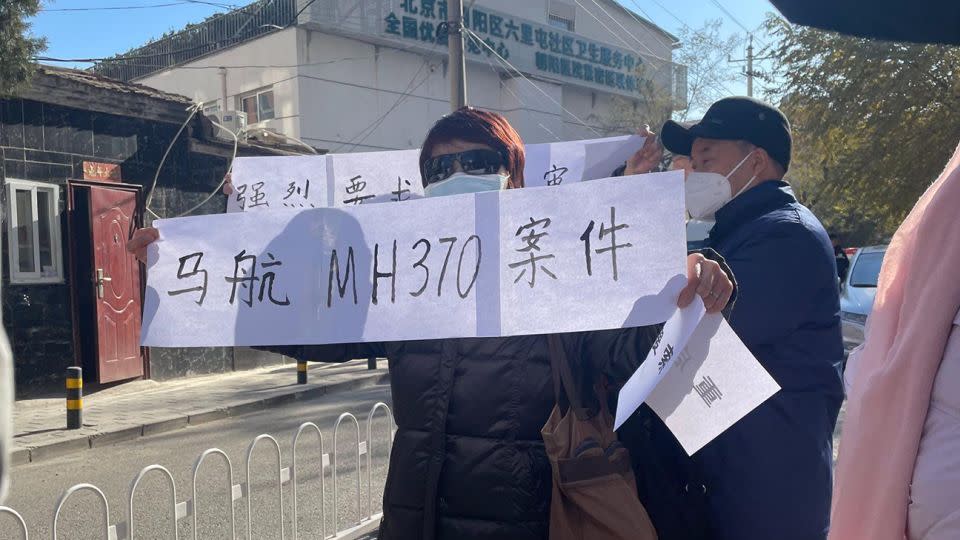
(367, 521)
(217, 32)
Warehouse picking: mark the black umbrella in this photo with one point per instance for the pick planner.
(922, 21)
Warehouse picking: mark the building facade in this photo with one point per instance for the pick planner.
(368, 75)
(77, 153)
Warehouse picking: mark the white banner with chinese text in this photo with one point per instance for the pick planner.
(340, 180)
(588, 256)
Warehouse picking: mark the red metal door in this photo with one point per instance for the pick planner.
(116, 283)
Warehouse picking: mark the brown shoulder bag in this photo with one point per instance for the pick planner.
(594, 490)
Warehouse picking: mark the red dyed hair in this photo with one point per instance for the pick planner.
(481, 127)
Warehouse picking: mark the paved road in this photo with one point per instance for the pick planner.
(37, 487)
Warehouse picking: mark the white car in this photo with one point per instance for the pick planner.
(697, 233)
(858, 292)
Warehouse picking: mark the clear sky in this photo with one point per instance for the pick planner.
(98, 33)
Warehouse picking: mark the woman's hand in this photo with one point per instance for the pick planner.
(140, 240)
(228, 184)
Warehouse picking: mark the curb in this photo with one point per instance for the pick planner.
(33, 454)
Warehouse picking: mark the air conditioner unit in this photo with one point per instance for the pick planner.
(260, 126)
(259, 132)
(235, 121)
(212, 111)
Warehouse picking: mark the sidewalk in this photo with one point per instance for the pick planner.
(141, 408)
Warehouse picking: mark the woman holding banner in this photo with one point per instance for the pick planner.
(468, 460)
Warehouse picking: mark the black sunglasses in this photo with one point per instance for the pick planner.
(471, 162)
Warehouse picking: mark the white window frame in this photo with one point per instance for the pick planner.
(256, 98)
(561, 22)
(563, 15)
(56, 246)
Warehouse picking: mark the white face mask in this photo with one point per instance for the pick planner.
(708, 192)
(460, 183)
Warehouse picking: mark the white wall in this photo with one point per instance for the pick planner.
(535, 10)
(347, 85)
(341, 100)
(653, 41)
(330, 90)
(200, 79)
(535, 117)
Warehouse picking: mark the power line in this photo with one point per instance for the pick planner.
(121, 58)
(252, 16)
(214, 4)
(618, 36)
(193, 110)
(524, 77)
(378, 122)
(669, 62)
(407, 48)
(624, 28)
(218, 66)
(216, 190)
(663, 8)
(520, 100)
(304, 8)
(717, 85)
(730, 15)
(737, 21)
(403, 97)
(114, 8)
(642, 12)
(213, 44)
(750, 72)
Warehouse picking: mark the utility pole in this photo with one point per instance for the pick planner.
(749, 60)
(458, 66)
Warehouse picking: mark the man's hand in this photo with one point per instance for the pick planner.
(140, 240)
(647, 158)
(707, 279)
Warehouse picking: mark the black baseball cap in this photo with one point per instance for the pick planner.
(739, 119)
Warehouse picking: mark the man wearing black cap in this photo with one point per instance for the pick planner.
(770, 475)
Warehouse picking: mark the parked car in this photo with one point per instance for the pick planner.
(697, 233)
(858, 292)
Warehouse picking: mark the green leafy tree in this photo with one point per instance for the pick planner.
(704, 54)
(17, 46)
(874, 122)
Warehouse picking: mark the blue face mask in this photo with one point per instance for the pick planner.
(461, 183)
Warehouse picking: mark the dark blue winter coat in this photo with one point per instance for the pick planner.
(770, 475)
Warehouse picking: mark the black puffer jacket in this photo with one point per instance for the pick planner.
(468, 462)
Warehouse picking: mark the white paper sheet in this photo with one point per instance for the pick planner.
(661, 358)
(616, 285)
(716, 381)
(278, 183)
(455, 273)
(374, 177)
(553, 164)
